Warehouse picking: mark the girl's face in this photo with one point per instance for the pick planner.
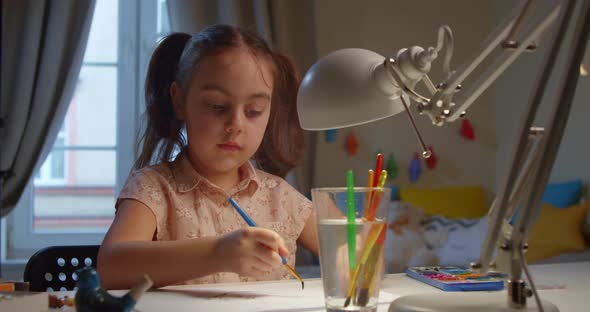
(226, 109)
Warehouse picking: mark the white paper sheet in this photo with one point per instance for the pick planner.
(286, 297)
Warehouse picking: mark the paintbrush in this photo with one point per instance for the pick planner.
(252, 223)
(373, 236)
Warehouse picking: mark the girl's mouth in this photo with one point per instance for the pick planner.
(229, 146)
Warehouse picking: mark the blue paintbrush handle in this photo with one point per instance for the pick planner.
(247, 219)
(241, 212)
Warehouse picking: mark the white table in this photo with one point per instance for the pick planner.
(567, 285)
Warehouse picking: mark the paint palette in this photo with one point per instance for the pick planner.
(450, 278)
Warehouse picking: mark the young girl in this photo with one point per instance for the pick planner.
(236, 99)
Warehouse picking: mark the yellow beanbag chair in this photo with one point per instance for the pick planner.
(450, 202)
(556, 231)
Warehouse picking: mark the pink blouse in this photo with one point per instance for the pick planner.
(186, 205)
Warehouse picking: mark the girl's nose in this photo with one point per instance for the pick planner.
(234, 124)
(233, 130)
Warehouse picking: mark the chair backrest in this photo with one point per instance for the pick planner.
(54, 268)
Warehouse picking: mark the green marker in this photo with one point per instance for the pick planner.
(351, 218)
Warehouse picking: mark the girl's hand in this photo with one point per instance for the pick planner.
(251, 251)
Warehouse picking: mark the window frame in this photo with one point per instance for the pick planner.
(137, 33)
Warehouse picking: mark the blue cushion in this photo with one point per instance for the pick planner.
(560, 195)
(394, 193)
(564, 194)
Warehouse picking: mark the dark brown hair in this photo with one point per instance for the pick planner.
(175, 59)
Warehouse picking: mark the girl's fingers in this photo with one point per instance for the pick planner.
(271, 239)
(266, 237)
(253, 264)
(256, 271)
(283, 252)
(267, 256)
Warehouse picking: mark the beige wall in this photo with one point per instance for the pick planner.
(385, 27)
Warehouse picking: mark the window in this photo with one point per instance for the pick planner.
(53, 170)
(71, 198)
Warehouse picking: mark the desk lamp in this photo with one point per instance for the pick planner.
(355, 86)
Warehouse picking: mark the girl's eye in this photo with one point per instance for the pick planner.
(217, 107)
(253, 113)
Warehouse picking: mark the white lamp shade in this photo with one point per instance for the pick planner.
(346, 88)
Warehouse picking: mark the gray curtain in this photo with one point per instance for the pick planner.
(43, 45)
(288, 25)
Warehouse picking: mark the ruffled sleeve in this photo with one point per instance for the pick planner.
(148, 187)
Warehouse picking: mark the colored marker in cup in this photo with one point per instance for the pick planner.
(351, 221)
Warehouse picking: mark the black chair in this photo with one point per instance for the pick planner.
(54, 268)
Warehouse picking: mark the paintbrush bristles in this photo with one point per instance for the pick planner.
(295, 274)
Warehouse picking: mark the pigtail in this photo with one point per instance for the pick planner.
(283, 143)
(163, 130)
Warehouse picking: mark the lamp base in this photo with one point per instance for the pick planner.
(462, 302)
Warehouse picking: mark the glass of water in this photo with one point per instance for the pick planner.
(351, 253)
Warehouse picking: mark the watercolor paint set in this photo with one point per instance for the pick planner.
(450, 278)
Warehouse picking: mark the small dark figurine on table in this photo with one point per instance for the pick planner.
(90, 297)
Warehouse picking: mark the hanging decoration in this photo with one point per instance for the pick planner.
(415, 168)
(466, 130)
(330, 135)
(432, 160)
(391, 167)
(351, 144)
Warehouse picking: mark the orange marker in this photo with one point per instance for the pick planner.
(377, 195)
(369, 194)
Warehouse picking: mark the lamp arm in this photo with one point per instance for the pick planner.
(442, 108)
(502, 198)
(532, 152)
(562, 102)
(548, 148)
(465, 99)
(522, 185)
(445, 40)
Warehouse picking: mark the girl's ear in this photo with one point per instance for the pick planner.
(176, 97)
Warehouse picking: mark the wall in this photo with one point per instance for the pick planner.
(385, 27)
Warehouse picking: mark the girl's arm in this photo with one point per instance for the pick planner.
(128, 252)
(309, 236)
